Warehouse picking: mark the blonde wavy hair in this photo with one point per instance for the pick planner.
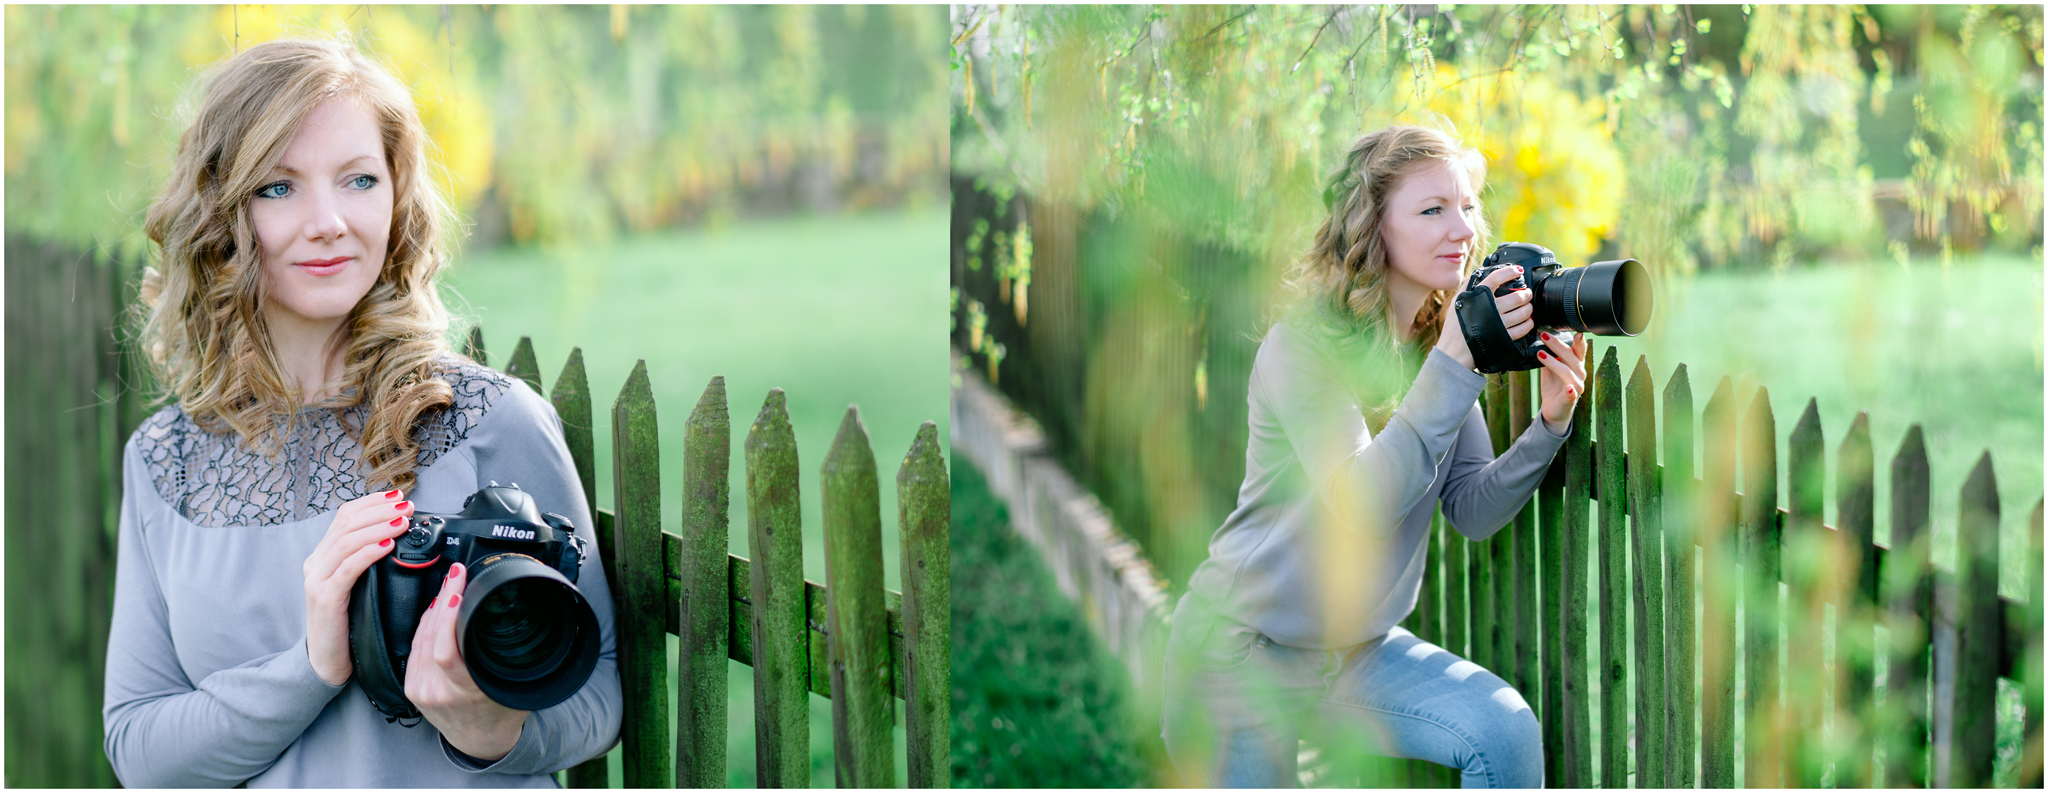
(202, 325)
(1340, 285)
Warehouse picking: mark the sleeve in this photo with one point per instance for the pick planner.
(161, 729)
(1367, 480)
(520, 440)
(1481, 494)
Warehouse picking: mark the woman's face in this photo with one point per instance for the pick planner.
(323, 218)
(1428, 224)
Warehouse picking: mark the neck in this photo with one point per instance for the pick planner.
(309, 353)
(1404, 300)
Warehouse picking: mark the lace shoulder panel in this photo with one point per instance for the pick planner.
(215, 479)
(477, 388)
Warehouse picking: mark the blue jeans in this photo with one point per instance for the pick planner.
(1237, 703)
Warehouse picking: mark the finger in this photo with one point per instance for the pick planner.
(1516, 315)
(352, 566)
(1521, 329)
(1565, 354)
(1501, 276)
(1571, 380)
(446, 650)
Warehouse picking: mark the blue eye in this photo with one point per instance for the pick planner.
(274, 190)
(1433, 211)
(363, 182)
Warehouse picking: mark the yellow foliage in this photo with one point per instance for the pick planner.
(452, 109)
(1554, 176)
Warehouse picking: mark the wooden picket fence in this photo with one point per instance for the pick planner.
(1518, 603)
(849, 640)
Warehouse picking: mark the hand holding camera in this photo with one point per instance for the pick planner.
(1512, 306)
(360, 534)
(439, 684)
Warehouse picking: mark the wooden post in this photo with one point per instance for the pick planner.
(1719, 586)
(1980, 631)
(1679, 491)
(524, 365)
(705, 616)
(1491, 611)
(1577, 611)
(571, 398)
(1550, 523)
(2030, 758)
(1457, 601)
(858, 630)
(782, 659)
(1909, 587)
(1646, 538)
(639, 557)
(473, 345)
(1807, 590)
(1763, 756)
(1613, 574)
(923, 503)
(1856, 608)
(1430, 611)
(1521, 641)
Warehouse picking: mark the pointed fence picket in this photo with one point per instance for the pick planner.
(1681, 553)
(851, 640)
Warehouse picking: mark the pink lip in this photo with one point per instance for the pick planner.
(325, 266)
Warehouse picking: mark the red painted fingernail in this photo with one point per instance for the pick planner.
(1541, 355)
(392, 494)
(400, 506)
(454, 568)
(384, 543)
(430, 603)
(1546, 337)
(398, 521)
(455, 600)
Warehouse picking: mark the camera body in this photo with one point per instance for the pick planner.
(527, 635)
(1603, 298)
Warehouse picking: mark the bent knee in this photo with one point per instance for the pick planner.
(1513, 750)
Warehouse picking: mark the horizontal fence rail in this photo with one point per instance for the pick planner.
(1948, 634)
(851, 641)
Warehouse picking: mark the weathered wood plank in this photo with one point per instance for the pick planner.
(704, 608)
(1550, 702)
(1909, 590)
(1856, 605)
(524, 365)
(1808, 585)
(775, 538)
(859, 641)
(1980, 630)
(473, 345)
(1646, 538)
(1764, 729)
(1719, 587)
(2030, 758)
(1429, 611)
(923, 520)
(1577, 608)
(1607, 393)
(571, 399)
(638, 557)
(1679, 491)
(1457, 597)
(1519, 587)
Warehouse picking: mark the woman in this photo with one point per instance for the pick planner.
(1364, 416)
(295, 321)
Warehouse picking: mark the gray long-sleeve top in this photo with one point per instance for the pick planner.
(208, 682)
(1326, 547)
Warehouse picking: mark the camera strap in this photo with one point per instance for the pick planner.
(1493, 350)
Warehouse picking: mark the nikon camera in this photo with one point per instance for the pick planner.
(1602, 298)
(527, 635)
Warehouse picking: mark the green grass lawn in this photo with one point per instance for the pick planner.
(834, 310)
(1037, 701)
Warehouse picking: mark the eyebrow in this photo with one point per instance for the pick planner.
(295, 172)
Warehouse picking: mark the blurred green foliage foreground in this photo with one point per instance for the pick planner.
(554, 124)
(1037, 702)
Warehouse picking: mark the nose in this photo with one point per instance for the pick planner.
(1461, 229)
(325, 224)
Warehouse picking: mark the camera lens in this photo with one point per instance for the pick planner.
(523, 629)
(527, 634)
(1604, 298)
